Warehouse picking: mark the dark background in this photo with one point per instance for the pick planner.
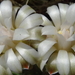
(40, 6)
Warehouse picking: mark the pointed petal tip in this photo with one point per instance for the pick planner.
(26, 66)
(52, 73)
(20, 34)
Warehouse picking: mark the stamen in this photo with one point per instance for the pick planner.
(60, 32)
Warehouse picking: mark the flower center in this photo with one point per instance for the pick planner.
(65, 33)
(5, 34)
(60, 32)
(63, 44)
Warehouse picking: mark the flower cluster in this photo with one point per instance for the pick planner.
(57, 50)
(23, 42)
(19, 27)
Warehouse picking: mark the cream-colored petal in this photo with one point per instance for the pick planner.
(32, 52)
(51, 64)
(72, 62)
(73, 47)
(35, 34)
(54, 13)
(46, 21)
(9, 43)
(33, 43)
(23, 62)
(63, 9)
(45, 46)
(31, 21)
(74, 27)
(2, 61)
(22, 14)
(2, 39)
(12, 61)
(27, 52)
(1, 17)
(65, 33)
(3, 71)
(20, 34)
(8, 71)
(45, 58)
(72, 38)
(70, 17)
(15, 10)
(49, 30)
(71, 30)
(49, 53)
(63, 43)
(6, 10)
(1, 48)
(43, 63)
(63, 63)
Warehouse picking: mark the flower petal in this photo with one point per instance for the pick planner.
(74, 27)
(8, 71)
(71, 30)
(31, 21)
(63, 43)
(51, 64)
(72, 62)
(23, 13)
(54, 13)
(46, 57)
(3, 71)
(49, 30)
(30, 50)
(73, 47)
(45, 46)
(33, 43)
(6, 10)
(63, 64)
(35, 34)
(27, 52)
(1, 48)
(43, 63)
(4, 40)
(9, 43)
(63, 9)
(70, 17)
(15, 9)
(12, 59)
(2, 61)
(24, 63)
(1, 17)
(20, 34)
(46, 21)
(72, 38)
(49, 53)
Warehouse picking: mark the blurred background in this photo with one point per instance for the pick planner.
(40, 6)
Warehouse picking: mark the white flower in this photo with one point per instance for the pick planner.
(4, 70)
(59, 46)
(17, 26)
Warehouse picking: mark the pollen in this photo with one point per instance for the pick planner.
(60, 32)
